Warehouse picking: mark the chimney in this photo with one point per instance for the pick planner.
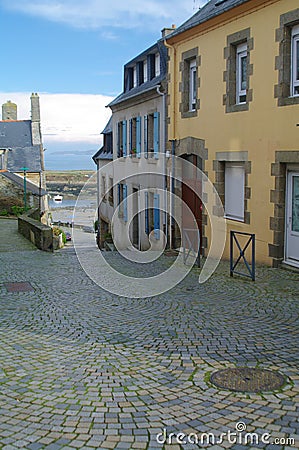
(35, 111)
(166, 31)
(9, 111)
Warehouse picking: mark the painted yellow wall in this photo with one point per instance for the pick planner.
(261, 131)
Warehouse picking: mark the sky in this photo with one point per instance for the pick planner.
(72, 52)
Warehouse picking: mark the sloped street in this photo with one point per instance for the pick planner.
(81, 368)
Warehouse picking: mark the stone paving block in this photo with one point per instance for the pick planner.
(82, 365)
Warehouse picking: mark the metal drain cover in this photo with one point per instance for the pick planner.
(18, 286)
(248, 379)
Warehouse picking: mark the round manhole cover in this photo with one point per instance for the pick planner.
(247, 379)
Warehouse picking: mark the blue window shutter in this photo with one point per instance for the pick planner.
(156, 134)
(118, 193)
(124, 138)
(138, 136)
(130, 134)
(118, 141)
(125, 205)
(146, 213)
(157, 216)
(145, 138)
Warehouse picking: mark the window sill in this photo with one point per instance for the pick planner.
(238, 107)
(189, 114)
(288, 101)
(234, 219)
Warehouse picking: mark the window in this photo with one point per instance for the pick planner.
(129, 78)
(135, 137)
(152, 135)
(132, 136)
(295, 62)
(120, 151)
(287, 61)
(238, 71)
(192, 85)
(152, 214)
(241, 73)
(145, 71)
(122, 139)
(157, 64)
(134, 76)
(149, 212)
(234, 191)
(140, 73)
(122, 201)
(151, 61)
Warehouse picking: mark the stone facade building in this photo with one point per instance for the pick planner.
(233, 99)
(21, 154)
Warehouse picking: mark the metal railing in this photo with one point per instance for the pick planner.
(242, 254)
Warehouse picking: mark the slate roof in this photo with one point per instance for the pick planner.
(108, 127)
(105, 153)
(24, 157)
(15, 133)
(151, 84)
(211, 9)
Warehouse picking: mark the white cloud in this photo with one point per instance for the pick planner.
(100, 13)
(66, 117)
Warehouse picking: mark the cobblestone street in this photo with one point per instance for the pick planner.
(82, 368)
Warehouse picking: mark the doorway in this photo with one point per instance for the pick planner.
(292, 219)
(191, 196)
(135, 232)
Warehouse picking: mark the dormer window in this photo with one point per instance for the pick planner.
(128, 78)
(134, 76)
(145, 71)
(157, 64)
(140, 73)
(152, 64)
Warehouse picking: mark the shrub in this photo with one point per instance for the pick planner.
(4, 212)
(57, 231)
(17, 210)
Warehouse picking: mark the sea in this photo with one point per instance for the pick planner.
(80, 211)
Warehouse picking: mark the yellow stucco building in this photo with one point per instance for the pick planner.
(233, 109)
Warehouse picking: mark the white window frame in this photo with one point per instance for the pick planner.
(192, 85)
(145, 71)
(241, 52)
(294, 62)
(134, 76)
(234, 191)
(157, 64)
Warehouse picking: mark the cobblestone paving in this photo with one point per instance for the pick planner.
(81, 368)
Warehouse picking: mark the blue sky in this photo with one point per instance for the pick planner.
(72, 53)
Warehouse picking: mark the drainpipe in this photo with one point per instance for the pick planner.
(173, 140)
(164, 158)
